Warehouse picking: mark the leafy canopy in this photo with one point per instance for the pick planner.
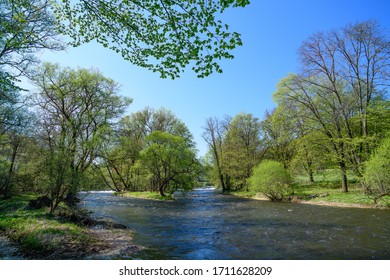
(171, 161)
(161, 35)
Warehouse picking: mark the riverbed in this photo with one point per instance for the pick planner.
(204, 224)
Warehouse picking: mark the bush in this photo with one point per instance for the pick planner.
(271, 179)
(376, 177)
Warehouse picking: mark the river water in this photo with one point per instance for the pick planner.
(205, 224)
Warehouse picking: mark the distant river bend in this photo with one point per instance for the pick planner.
(204, 224)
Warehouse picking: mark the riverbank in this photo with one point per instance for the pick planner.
(67, 234)
(326, 195)
(306, 194)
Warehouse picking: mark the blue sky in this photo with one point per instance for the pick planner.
(272, 31)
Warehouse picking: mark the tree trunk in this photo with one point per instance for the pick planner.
(343, 173)
(311, 177)
(162, 191)
(8, 184)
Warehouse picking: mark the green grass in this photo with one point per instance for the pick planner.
(147, 195)
(245, 194)
(36, 231)
(328, 182)
(328, 185)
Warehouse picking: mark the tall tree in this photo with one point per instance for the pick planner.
(243, 149)
(353, 64)
(279, 135)
(214, 133)
(77, 109)
(342, 72)
(323, 112)
(160, 35)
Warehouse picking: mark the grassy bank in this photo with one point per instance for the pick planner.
(41, 235)
(326, 195)
(327, 191)
(146, 195)
(332, 195)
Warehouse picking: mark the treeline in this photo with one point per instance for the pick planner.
(70, 132)
(334, 113)
(74, 135)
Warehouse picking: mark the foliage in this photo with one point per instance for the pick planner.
(77, 110)
(26, 26)
(271, 179)
(243, 151)
(377, 173)
(119, 164)
(279, 134)
(171, 162)
(343, 72)
(163, 36)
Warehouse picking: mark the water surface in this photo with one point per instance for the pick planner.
(205, 224)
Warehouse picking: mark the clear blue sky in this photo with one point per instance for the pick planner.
(272, 31)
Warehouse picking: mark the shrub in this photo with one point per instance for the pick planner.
(271, 179)
(376, 177)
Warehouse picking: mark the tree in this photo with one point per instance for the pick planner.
(77, 110)
(324, 113)
(342, 72)
(243, 148)
(353, 65)
(214, 133)
(10, 107)
(279, 135)
(309, 155)
(160, 35)
(271, 179)
(171, 162)
(119, 165)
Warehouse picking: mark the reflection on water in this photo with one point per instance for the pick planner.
(207, 225)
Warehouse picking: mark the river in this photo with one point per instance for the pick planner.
(205, 224)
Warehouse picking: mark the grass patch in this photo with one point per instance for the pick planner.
(327, 189)
(328, 186)
(354, 195)
(245, 194)
(39, 233)
(147, 195)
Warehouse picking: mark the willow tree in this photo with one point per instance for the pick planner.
(171, 162)
(161, 35)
